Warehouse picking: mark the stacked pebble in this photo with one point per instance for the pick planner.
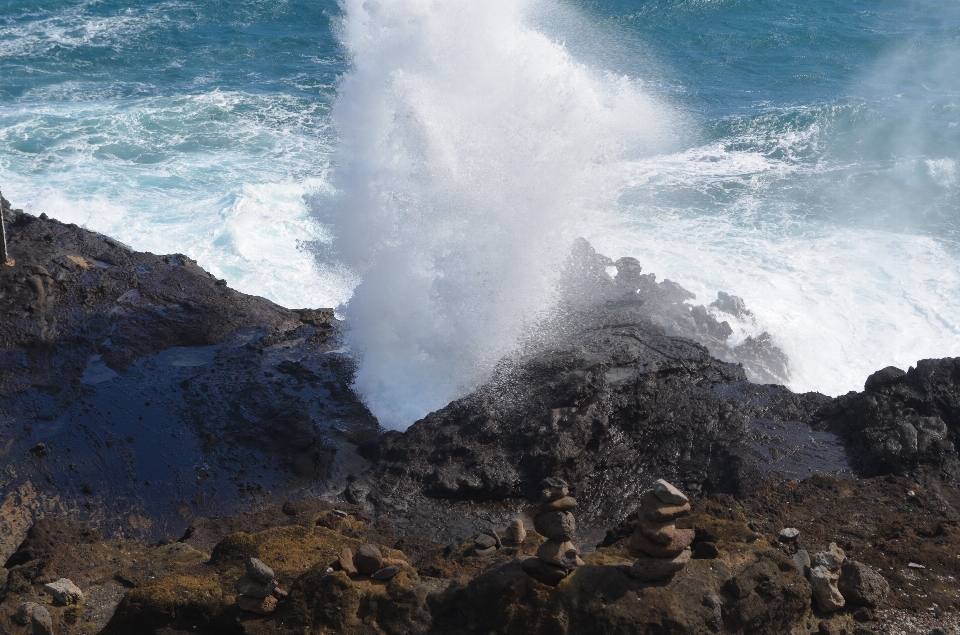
(258, 591)
(557, 556)
(660, 548)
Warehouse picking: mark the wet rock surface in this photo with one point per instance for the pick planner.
(142, 398)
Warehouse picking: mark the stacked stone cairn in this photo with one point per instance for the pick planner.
(258, 590)
(557, 556)
(661, 550)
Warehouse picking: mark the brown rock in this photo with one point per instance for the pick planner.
(549, 574)
(346, 561)
(668, 493)
(652, 508)
(640, 545)
(394, 562)
(368, 560)
(563, 554)
(565, 504)
(516, 533)
(649, 569)
(658, 532)
(261, 606)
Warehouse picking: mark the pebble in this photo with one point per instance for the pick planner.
(261, 606)
(789, 534)
(668, 493)
(386, 572)
(368, 560)
(42, 624)
(394, 562)
(259, 571)
(914, 565)
(64, 591)
(346, 561)
(516, 533)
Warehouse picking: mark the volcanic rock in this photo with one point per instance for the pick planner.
(658, 532)
(41, 621)
(386, 572)
(788, 534)
(24, 613)
(831, 559)
(346, 560)
(516, 532)
(652, 508)
(261, 606)
(545, 572)
(254, 589)
(860, 584)
(565, 504)
(563, 554)
(484, 541)
(823, 583)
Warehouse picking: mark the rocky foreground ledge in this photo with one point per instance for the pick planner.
(180, 457)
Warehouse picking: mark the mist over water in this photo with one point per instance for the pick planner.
(425, 165)
(470, 147)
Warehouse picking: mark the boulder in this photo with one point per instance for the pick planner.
(649, 569)
(561, 526)
(862, 585)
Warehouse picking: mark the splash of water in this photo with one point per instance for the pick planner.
(468, 145)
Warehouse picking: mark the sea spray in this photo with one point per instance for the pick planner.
(469, 148)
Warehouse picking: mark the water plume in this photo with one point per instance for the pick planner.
(470, 144)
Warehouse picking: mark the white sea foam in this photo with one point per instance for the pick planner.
(469, 142)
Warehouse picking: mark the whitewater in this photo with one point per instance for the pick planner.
(424, 165)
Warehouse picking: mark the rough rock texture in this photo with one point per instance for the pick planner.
(648, 568)
(64, 591)
(860, 584)
(823, 583)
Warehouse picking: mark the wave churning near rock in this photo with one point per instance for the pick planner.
(470, 145)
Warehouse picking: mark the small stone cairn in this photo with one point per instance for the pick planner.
(258, 590)
(661, 550)
(558, 556)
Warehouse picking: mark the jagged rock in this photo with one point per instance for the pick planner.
(658, 532)
(559, 553)
(668, 493)
(261, 606)
(259, 571)
(652, 508)
(823, 584)
(649, 569)
(860, 584)
(252, 588)
(516, 532)
(368, 559)
(64, 591)
(640, 545)
(565, 504)
(561, 526)
(831, 559)
(24, 613)
(41, 621)
(346, 560)
(545, 572)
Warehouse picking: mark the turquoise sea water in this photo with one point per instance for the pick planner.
(804, 155)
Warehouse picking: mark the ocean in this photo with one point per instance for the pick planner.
(423, 165)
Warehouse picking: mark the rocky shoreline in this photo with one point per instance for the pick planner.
(160, 430)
